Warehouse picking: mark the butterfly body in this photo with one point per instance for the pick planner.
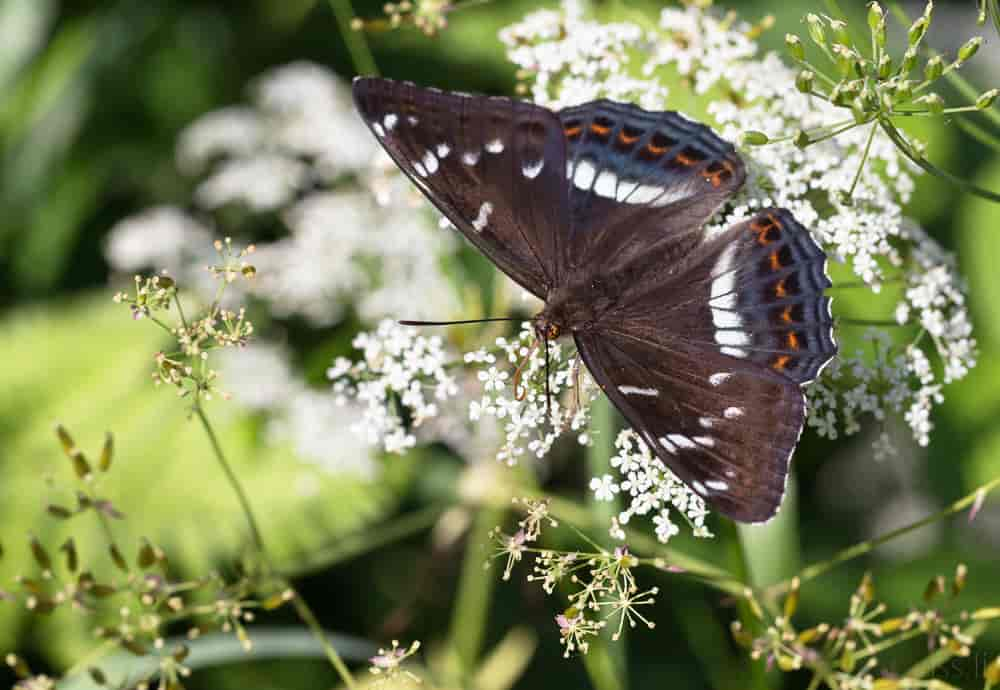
(702, 341)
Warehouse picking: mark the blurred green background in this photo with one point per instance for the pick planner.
(92, 98)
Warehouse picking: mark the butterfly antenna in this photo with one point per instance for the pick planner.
(548, 391)
(407, 322)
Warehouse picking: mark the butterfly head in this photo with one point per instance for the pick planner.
(546, 328)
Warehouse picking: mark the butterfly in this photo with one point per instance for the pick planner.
(702, 341)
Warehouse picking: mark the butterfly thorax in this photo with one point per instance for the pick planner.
(572, 308)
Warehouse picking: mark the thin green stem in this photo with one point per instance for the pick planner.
(357, 46)
(864, 159)
(926, 666)
(904, 146)
(234, 481)
(978, 133)
(301, 607)
(813, 571)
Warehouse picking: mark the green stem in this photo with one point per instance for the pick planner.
(301, 607)
(357, 46)
(904, 146)
(864, 159)
(234, 481)
(926, 666)
(475, 591)
(813, 571)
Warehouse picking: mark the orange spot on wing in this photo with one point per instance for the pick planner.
(656, 150)
(786, 315)
(599, 130)
(627, 139)
(775, 262)
(781, 362)
(572, 132)
(793, 341)
(684, 160)
(779, 289)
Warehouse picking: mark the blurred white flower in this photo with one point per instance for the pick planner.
(162, 237)
(230, 132)
(264, 182)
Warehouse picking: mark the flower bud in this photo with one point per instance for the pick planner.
(970, 48)
(934, 68)
(884, 67)
(40, 554)
(859, 111)
(65, 439)
(933, 102)
(804, 81)
(909, 61)
(875, 15)
(794, 45)
(840, 31)
(904, 89)
(104, 463)
(816, 32)
(117, 558)
(992, 673)
(72, 557)
(802, 139)
(755, 138)
(987, 99)
(917, 31)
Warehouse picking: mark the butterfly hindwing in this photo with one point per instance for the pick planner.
(495, 167)
(754, 293)
(641, 180)
(726, 428)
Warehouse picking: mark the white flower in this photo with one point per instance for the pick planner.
(604, 487)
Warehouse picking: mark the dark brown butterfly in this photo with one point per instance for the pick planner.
(702, 342)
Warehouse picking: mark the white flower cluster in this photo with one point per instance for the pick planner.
(533, 416)
(566, 63)
(401, 377)
(652, 489)
(261, 378)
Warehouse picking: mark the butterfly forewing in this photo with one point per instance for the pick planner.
(641, 181)
(494, 167)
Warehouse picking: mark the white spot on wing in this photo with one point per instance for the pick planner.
(706, 422)
(719, 377)
(734, 352)
(671, 448)
(699, 487)
(731, 337)
(732, 412)
(644, 194)
(723, 300)
(419, 167)
(681, 440)
(443, 150)
(716, 485)
(636, 390)
(390, 121)
(470, 157)
(531, 170)
(494, 146)
(730, 474)
(583, 176)
(706, 441)
(669, 196)
(605, 184)
(483, 218)
(412, 120)
(625, 189)
(430, 162)
(377, 128)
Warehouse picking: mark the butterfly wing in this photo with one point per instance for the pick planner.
(707, 364)
(640, 182)
(495, 167)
